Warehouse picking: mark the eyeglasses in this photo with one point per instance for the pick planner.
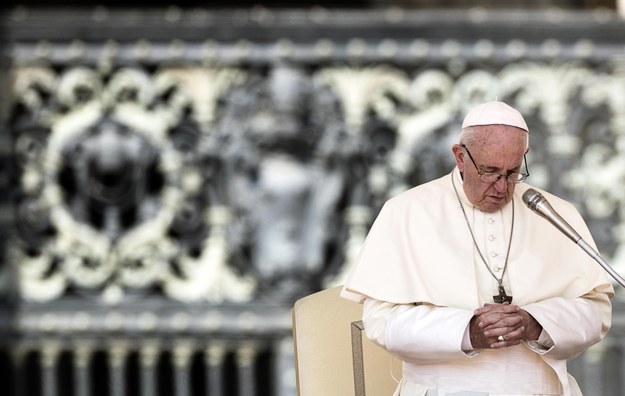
(490, 177)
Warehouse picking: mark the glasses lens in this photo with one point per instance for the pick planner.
(511, 178)
(489, 177)
(520, 177)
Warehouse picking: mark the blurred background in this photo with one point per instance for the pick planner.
(174, 176)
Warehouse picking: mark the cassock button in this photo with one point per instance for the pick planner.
(497, 269)
(491, 220)
(493, 254)
(491, 238)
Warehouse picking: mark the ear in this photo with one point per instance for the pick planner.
(459, 156)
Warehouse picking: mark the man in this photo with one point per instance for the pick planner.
(474, 292)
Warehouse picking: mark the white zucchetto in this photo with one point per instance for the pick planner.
(494, 113)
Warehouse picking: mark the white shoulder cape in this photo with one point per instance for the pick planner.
(419, 250)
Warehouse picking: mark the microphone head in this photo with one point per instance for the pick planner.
(539, 204)
(532, 198)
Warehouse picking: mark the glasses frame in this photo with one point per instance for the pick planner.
(521, 178)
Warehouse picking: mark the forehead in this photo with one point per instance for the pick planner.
(492, 137)
(500, 146)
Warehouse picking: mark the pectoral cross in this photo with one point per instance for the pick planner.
(502, 297)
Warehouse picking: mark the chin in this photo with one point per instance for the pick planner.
(493, 206)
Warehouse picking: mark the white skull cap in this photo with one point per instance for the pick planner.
(494, 113)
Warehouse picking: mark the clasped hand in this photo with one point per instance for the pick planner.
(502, 325)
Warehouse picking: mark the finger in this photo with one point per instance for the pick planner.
(507, 332)
(485, 308)
(491, 308)
(510, 322)
(515, 335)
(497, 320)
(499, 342)
(504, 343)
(497, 313)
(507, 338)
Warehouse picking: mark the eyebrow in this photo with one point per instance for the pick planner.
(491, 169)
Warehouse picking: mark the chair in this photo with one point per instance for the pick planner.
(325, 326)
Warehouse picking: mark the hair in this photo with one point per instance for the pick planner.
(468, 136)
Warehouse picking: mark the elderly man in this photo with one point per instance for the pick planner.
(476, 294)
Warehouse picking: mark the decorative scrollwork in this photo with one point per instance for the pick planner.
(107, 182)
(219, 184)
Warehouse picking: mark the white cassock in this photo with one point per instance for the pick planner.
(420, 278)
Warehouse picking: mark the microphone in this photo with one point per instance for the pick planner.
(539, 204)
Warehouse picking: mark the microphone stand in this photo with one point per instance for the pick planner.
(592, 253)
(537, 203)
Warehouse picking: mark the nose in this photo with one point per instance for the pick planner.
(501, 185)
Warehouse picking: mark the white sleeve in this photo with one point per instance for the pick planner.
(542, 345)
(572, 324)
(417, 331)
